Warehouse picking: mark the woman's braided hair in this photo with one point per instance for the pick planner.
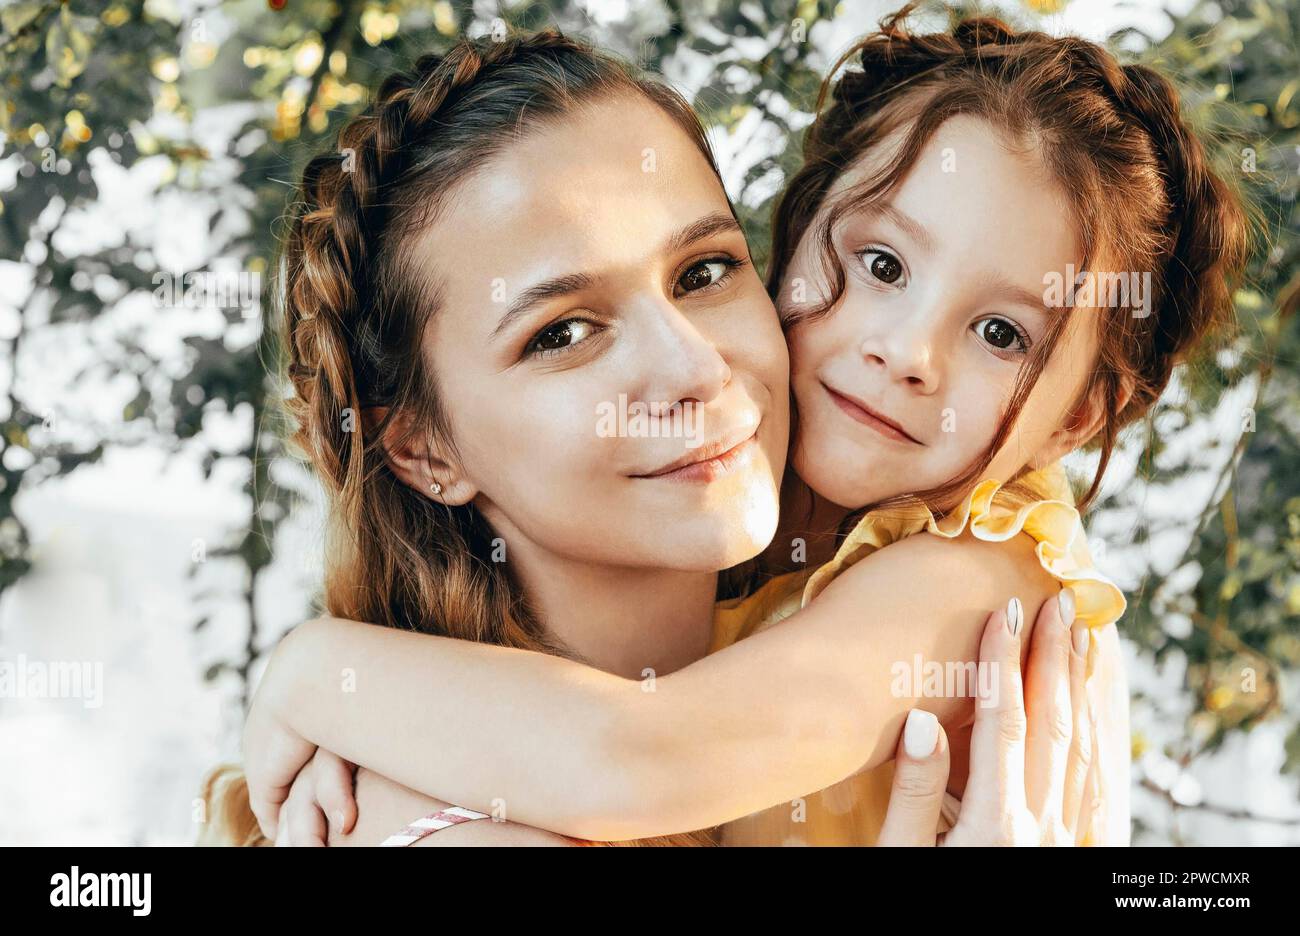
(1142, 191)
(355, 310)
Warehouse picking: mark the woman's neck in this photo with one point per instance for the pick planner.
(622, 620)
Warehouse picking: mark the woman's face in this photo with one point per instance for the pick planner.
(902, 385)
(592, 271)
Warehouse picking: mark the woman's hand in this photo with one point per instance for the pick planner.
(1030, 750)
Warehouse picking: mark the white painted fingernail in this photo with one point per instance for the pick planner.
(1081, 638)
(1065, 600)
(920, 734)
(1013, 616)
(338, 820)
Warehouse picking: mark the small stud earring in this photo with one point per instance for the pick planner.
(436, 488)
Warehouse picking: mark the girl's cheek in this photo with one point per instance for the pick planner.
(796, 344)
(972, 415)
(810, 341)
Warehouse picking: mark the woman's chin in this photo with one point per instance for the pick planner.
(746, 529)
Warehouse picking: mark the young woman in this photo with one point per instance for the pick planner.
(785, 711)
(435, 393)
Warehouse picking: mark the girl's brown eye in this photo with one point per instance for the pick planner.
(1000, 334)
(882, 265)
(886, 268)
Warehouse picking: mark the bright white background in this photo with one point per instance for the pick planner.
(113, 546)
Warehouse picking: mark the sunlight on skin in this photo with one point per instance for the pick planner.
(601, 196)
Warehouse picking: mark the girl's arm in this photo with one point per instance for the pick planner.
(384, 807)
(565, 747)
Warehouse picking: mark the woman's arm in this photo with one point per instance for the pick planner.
(562, 746)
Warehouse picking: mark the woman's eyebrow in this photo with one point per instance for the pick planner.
(708, 226)
(539, 293)
(717, 223)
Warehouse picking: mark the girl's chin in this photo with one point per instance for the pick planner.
(829, 484)
(857, 478)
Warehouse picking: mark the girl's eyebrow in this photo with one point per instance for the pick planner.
(1013, 293)
(906, 223)
(708, 226)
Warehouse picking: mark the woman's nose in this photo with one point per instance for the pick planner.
(694, 368)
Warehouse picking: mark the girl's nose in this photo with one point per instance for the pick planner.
(907, 353)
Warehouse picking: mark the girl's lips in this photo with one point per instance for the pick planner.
(860, 413)
(710, 469)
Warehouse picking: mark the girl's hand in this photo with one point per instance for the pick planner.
(274, 754)
(1030, 750)
(322, 797)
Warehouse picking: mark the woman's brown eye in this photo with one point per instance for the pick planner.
(557, 336)
(562, 336)
(886, 267)
(702, 275)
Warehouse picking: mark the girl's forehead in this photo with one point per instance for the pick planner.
(964, 135)
(969, 173)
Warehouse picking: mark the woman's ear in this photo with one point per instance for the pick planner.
(423, 462)
(1083, 422)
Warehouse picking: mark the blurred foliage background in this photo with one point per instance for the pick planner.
(220, 104)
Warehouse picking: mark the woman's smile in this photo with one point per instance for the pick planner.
(710, 462)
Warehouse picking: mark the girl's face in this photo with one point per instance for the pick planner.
(902, 385)
(590, 270)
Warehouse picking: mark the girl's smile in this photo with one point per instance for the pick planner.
(859, 411)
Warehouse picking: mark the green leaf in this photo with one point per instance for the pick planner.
(14, 18)
(67, 47)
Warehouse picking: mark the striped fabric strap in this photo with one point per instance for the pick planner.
(431, 823)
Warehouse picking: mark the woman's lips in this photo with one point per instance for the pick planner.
(707, 468)
(859, 412)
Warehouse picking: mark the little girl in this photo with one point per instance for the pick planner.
(951, 180)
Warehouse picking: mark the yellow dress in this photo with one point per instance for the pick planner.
(1040, 505)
